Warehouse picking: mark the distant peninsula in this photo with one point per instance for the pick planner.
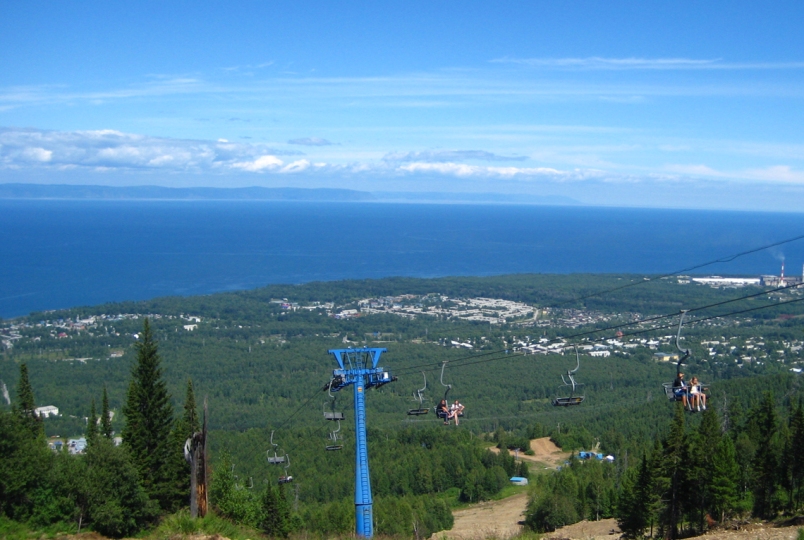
(98, 192)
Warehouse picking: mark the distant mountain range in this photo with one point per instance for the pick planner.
(64, 191)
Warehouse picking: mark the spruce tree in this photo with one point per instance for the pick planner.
(26, 405)
(190, 416)
(92, 424)
(179, 468)
(765, 460)
(725, 479)
(106, 419)
(674, 462)
(149, 418)
(275, 520)
(797, 456)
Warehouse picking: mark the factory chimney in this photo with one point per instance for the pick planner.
(781, 277)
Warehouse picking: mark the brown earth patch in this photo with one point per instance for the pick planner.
(544, 451)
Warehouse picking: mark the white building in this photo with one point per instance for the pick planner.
(46, 411)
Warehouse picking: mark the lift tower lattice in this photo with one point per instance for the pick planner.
(358, 367)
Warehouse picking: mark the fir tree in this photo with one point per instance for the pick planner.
(633, 507)
(674, 470)
(179, 468)
(149, 418)
(275, 520)
(797, 455)
(765, 460)
(92, 424)
(26, 405)
(725, 479)
(106, 419)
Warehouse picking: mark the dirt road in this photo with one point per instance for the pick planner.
(492, 519)
(544, 451)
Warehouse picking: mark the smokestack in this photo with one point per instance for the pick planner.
(781, 278)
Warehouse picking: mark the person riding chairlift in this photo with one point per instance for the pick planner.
(680, 389)
(455, 410)
(442, 411)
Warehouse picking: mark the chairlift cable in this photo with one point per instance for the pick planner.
(726, 259)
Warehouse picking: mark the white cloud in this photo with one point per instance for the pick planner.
(260, 164)
(600, 63)
(777, 173)
(296, 166)
(111, 150)
(464, 170)
(37, 154)
(448, 156)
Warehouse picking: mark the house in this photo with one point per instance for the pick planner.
(77, 446)
(46, 411)
(665, 357)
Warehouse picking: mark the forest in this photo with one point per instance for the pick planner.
(261, 369)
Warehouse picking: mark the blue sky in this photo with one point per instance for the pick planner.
(676, 104)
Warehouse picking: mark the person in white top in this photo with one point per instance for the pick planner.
(455, 410)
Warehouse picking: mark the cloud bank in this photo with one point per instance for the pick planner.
(449, 155)
(114, 150)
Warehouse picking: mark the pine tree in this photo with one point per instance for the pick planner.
(92, 424)
(765, 460)
(725, 479)
(701, 465)
(149, 418)
(190, 416)
(674, 470)
(633, 507)
(26, 405)
(179, 468)
(275, 512)
(106, 419)
(797, 458)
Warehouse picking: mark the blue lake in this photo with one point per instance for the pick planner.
(58, 253)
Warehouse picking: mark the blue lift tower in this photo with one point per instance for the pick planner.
(359, 368)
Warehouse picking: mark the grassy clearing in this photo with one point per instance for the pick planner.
(181, 524)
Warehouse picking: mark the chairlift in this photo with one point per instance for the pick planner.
(275, 459)
(286, 478)
(422, 409)
(684, 355)
(332, 414)
(572, 399)
(444, 415)
(334, 437)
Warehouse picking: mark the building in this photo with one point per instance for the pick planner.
(46, 411)
(665, 357)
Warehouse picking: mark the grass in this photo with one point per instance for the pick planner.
(12, 530)
(181, 524)
(800, 534)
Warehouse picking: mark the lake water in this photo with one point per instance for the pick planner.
(57, 253)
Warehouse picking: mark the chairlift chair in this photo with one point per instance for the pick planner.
(275, 459)
(332, 414)
(684, 355)
(334, 437)
(286, 478)
(439, 413)
(572, 399)
(422, 409)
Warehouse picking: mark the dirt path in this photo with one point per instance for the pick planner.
(497, 519)
(544, 451)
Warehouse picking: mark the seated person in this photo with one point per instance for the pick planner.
(455, 411)
(442, 411)
(680, 389)
(697, 397)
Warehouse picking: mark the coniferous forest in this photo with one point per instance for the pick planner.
(137, 374)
